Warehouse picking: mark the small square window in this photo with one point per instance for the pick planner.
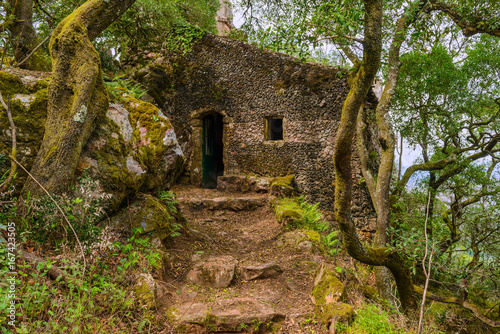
(274, 128)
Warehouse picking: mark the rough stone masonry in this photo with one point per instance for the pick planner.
(248, 87)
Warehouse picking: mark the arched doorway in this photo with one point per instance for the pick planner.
(213, 150)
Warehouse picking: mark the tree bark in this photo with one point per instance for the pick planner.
(77, 97)
(379, 187)
(23, 36)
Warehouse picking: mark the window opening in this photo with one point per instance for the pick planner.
(274, 128)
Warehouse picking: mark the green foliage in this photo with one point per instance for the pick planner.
(45, 223)
(298, 213)
(170, 199)
(101, 303)
(370, 320)
(181, 38)
(124, 87)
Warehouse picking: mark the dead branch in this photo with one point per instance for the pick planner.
(53, 272)
(62, 212)
(13, 167)
(35, 49)
(460, 302)
(427, 272)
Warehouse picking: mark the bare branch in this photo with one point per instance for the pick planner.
(35, 49)
(62, 212)
(340, 37)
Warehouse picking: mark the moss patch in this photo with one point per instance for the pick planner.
(329, 289)
(11, 84)
(339, 312)
(153, 135)
(283, 186)
(287, 211)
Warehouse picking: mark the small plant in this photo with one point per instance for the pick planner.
(170, 200)
(121, 86)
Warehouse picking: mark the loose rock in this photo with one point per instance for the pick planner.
(215, 272)
(259, 272)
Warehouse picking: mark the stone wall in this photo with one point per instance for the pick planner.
(246, 84)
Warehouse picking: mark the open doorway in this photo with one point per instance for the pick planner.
(213, 165)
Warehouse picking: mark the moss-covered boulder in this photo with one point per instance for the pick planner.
(133, 148)
(287, 211)
(283, 186)
(328, 289)
(302, 241)
(29, 111)
(146, 290)
(156, 219)
(327, 295)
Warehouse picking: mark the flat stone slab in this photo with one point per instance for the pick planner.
(228, 315)
(262, 271)
(243, 183)
(214, 272)
(227, 203)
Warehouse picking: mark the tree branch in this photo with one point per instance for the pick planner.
(469, 27)
(13, 167)
(461, 302)
(343, 36)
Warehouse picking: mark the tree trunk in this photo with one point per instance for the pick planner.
(77, 97)
(23, 36)
(378, 186)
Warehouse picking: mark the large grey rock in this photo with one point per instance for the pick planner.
(215, 272)
(133, 148)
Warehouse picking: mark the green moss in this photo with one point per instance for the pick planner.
(150, 129)
(283, 186)
(287, 211)
(369, 291)
(313, 235)
(210, 323)
(145, 294)
(328, 290)
(339, 311)
(11, 84)
(171, 314)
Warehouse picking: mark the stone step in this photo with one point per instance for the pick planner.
(228, 315)
(225, 203)
(243, 183)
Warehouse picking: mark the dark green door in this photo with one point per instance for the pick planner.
(212, 150)
(208, 153)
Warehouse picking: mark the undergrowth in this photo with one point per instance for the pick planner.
(297, 213)
(102, 302)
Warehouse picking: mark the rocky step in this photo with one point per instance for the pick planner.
(228, 315)
(277, 186)
(233, 203)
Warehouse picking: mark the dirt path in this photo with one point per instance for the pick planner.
(243, 227)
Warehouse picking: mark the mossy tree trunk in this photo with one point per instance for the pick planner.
(378, 185)
(77, 97)
(23, 36)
